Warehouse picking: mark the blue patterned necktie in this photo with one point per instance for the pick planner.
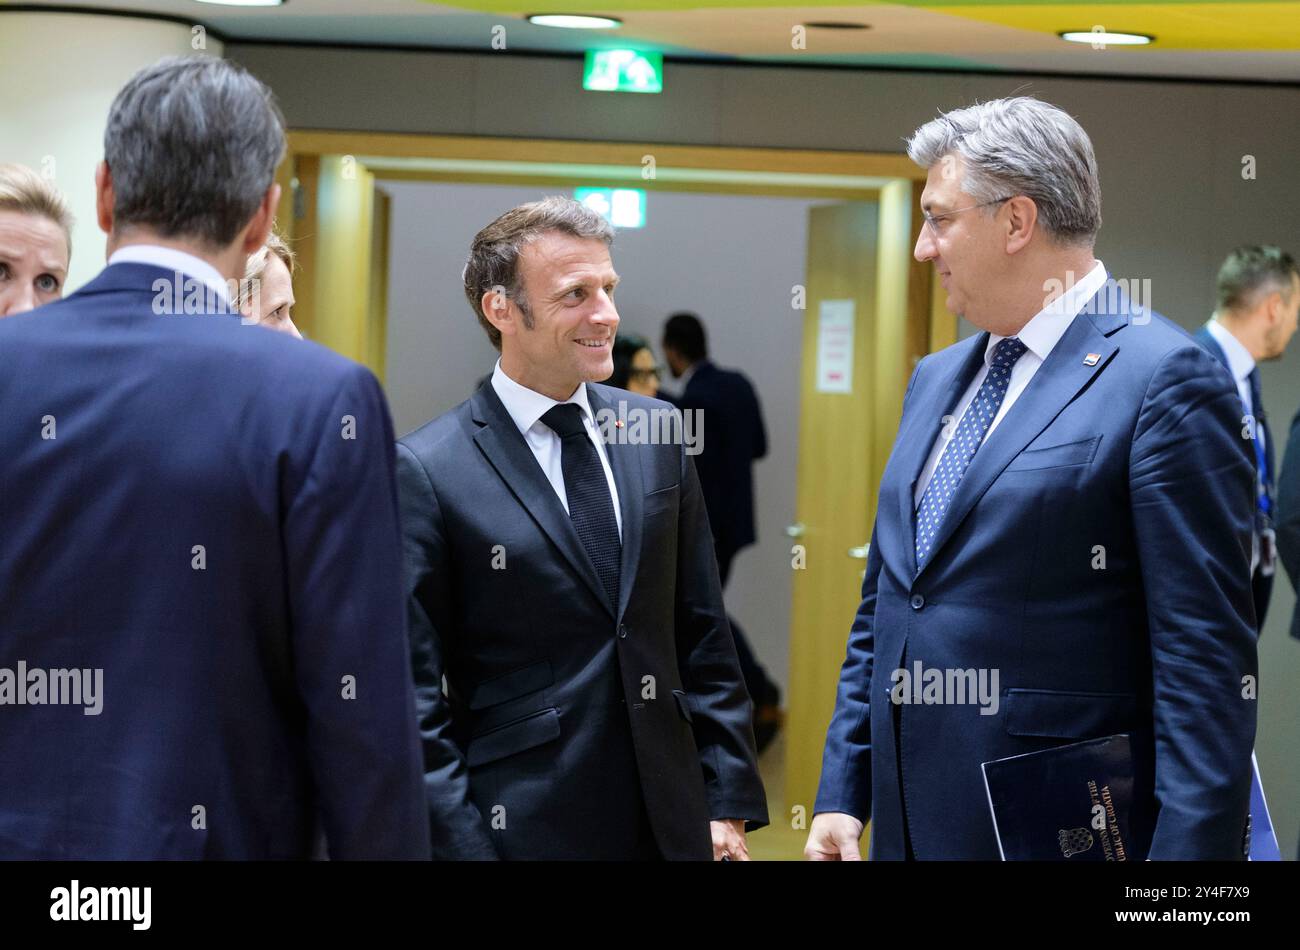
(961, 448)
(591, 507)
(1265, 477)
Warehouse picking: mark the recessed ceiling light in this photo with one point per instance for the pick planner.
(570, 21)
(1104, 38)
(244, 3)
(836, 25)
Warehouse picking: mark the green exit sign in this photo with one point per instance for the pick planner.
(621, 207)
(623, 70)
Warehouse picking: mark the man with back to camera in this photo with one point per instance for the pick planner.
(198, 520)
(561, 577)
(1067, 506)
(1259, 298)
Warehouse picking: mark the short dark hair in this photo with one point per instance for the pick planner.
(494, 252)
(1253, 269)
(626, 347)
(685, 333)
(192, 143)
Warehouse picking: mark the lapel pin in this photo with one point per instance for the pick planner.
(1091, 359)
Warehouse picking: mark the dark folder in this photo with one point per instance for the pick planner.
(1076, 802)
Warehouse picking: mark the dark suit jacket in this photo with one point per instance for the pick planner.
(223, 687)
(1288, 515)
(1261, 584)
(562, 717)
(734, 438)
(1139, 454)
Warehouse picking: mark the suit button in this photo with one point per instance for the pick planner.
(622, 631)
(917, 601)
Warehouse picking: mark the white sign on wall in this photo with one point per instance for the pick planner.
(835, 347)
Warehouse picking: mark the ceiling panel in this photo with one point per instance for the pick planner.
(1223, 40)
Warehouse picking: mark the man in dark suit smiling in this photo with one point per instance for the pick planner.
(564, 584)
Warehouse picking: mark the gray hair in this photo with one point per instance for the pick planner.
(494, 253)
(1020, 146)
(192, 144)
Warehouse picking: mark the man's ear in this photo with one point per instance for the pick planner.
(500, 310)
(259, 228)
(1022, 221)
(104, 197)
(1276, 308)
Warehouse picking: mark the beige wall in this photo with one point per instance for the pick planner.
(61, 72)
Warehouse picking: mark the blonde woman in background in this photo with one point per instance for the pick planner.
(266, 292)
(35, 240)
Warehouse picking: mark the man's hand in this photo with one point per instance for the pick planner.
(833, 836)
(729, 839)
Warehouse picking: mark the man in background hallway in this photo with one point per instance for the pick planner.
(734, 438)
(1258, 300)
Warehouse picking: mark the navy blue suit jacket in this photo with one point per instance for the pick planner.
(1138, 458)
(733, 439)
(1288, 515)
(1261, 584)
(181, 507)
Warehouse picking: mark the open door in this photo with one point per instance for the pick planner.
(336, 219)
(867, 322)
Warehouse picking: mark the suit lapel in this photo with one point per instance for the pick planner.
(1204, 337)
(625, 462)
(917, 438)
(1053, 387)
(500, 441)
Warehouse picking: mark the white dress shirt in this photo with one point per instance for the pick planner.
(178, 262)
(526, 408)
(1240, 364)
(1040, 335)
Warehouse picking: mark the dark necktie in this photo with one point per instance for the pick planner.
(590, 506)
(961, 448)
(1265, 477)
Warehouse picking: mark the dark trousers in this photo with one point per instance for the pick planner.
(1261, 588)
(762, 690)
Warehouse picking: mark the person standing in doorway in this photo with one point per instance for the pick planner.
(736, 439)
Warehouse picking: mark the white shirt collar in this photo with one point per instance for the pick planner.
(1240, 362)
(1041, 334)
(168, 258)
(527, 406)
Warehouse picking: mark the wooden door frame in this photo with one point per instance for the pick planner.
(805, 173)
(772, 172)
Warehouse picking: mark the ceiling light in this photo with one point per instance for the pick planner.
(569, 21)
(1101, 37)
